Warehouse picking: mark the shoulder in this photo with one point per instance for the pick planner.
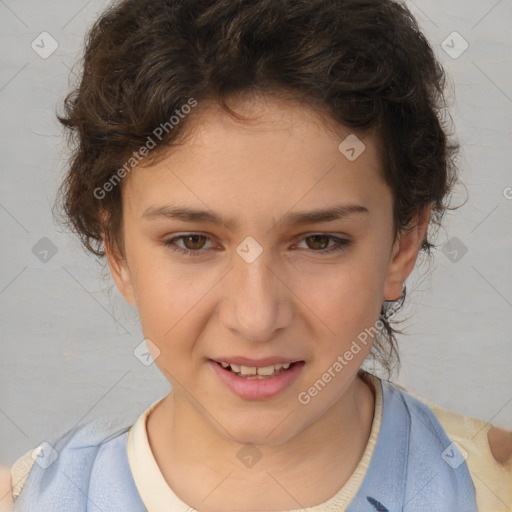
(77, 448)
(500, 442)
(20, 471)
(486, 449)
(493, 442)
(5, 490)
(12, 480)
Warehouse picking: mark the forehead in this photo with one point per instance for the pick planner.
(281, 153)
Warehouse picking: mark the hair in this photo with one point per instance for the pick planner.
(363, 63)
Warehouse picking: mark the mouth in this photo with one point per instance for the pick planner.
(257, 382)
(257, 372)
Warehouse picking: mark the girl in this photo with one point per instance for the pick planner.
(261, 176)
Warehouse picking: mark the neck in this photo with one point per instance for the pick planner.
(200, 463)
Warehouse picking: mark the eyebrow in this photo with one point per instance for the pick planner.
(291, 219)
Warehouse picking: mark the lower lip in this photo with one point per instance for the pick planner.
(257, 389)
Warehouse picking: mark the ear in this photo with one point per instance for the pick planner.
(120, 272)
(404, 254)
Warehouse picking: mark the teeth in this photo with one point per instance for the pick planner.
(248, 370)
(264, 371)
(268, 370)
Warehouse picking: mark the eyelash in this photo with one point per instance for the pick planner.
(341, 244)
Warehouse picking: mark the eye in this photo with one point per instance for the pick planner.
(319, 242)
(193, 243)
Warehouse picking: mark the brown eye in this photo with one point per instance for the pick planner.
(191, 244)
(194, 242)
(320, 242)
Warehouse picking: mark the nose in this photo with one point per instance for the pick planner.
(257, 301)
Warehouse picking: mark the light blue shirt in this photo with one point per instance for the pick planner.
(414, 468)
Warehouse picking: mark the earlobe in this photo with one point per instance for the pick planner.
(120, 273)
(404, 254)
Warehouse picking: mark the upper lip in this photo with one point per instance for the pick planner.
(245, 361)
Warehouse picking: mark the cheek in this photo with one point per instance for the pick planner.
(166, 303)
(344, 302)
(164, 300)
(170, 301)
(161, 293)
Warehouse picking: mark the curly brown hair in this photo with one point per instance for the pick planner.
(365, 63)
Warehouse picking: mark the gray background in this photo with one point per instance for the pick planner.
(67, 338)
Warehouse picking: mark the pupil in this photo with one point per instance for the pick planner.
(194, 241)
(316, 238)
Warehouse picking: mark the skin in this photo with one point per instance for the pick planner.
(6, 501)
(291, 301)
(196, 308)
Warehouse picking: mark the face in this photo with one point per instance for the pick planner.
(288, 262)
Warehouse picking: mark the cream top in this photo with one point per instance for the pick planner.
(159, 497)
(492, 480)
